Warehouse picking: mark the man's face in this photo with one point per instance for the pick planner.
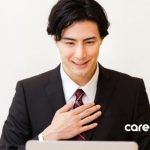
(79, 50)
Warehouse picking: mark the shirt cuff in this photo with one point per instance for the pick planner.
(40, 137)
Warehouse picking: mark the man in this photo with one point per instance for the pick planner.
(80, 99)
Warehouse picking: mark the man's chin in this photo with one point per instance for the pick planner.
(80, 73)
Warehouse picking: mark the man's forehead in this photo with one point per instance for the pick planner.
(84, 29)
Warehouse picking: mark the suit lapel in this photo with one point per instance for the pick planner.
(54, 90)
(105, 88)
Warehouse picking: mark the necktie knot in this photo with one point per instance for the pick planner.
(79, 94)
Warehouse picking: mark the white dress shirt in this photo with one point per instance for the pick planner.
(70, 87)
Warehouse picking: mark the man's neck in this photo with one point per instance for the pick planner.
(81, 80)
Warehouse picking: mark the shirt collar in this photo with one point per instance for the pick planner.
(91, 87)
(69, 86)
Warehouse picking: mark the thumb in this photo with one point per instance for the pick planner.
(66, 107)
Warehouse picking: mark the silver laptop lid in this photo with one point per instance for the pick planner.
(80, 145)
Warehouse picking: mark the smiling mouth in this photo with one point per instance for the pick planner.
(80, 64)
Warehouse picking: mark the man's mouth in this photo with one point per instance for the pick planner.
(80, 63)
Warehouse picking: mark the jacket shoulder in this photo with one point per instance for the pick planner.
(41, 79)
(122, 78)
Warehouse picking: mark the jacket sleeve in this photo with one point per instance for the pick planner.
(141, 117)
(17, 129)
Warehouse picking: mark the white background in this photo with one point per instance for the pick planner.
(26, 49)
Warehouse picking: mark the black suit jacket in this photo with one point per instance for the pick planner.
(123, 100)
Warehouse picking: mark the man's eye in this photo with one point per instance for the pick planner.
(90, 42)
(69, 43)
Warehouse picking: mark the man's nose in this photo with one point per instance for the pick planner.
(80, 52)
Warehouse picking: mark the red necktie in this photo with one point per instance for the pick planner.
(78, 102)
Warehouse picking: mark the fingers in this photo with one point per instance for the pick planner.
(66, 107)
(88, 127)
(90, 118)
(75, 121)
(86, 118)
(89, 111)
(82, 108)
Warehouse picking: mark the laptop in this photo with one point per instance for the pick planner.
(80, 145)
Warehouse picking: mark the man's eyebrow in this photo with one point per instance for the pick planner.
(71, 39)
(67, 38)
(90, 38)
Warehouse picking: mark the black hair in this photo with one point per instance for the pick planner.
(66, 12)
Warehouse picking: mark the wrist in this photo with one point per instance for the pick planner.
(49, 135)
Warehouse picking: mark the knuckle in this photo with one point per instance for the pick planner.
(76, 119)
(95, 115)
(80, 107)
(88, 111)
(89, 118)
(93, 109)
(72, 113)
(85, 107)
(87, 127)
(85, 113)
(77, 125)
